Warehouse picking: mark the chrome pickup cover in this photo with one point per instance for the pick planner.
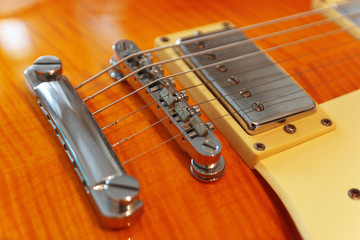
(255, 90)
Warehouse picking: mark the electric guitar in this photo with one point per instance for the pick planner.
(42, 196)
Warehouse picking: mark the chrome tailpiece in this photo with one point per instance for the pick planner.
(113, 193)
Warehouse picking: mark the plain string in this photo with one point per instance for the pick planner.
(258, 93)
(228, 114)
(242, 57)
(206, 37)
(258, 66)
(208, 51)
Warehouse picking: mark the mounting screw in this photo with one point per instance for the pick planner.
(200, 45)
(233, 80)
(259, 146)
(290, 128)
(354, 194)
(210, 56)
(226, 25)
(197, 33)
(164, 39)
(326, 122)
(222, 68)
(258, 107)
(245, 93)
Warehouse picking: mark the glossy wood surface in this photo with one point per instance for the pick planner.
(41, 196)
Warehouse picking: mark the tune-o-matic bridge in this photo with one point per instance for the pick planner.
(113, 192)
(182, 121)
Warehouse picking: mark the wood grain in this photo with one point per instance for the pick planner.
(41, 196)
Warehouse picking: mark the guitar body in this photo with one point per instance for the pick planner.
(41, 195)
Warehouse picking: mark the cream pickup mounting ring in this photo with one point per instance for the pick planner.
(257, 106)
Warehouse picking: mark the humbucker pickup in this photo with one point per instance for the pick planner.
(256, 105)
(257, 93)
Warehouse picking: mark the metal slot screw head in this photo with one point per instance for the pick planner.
(222, 68)
(290, 128)
(122, 191)
(210, 56)
(258, 107)
(233, 80)
(245, 93)
(209, 146)
(200, 45)
(326, 122)
(164, 39)
(259, 146)
(47, 67)
(354, 194)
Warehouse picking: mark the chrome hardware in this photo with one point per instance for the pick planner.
(267, 93)
(205, 165)
(210, 126)
(114, 194)
(196, 110)
(259, 146)
(354, 194)
(222, 68)
(233, 80)
(258, 106)
(245, 93)
(326, 122)
(290, 128)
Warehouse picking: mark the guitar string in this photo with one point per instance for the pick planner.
(263, 65)
(222, 47)
(215, 35)
(258, 93)
(179, 134)
(235, 112)
(228, 114)
(242, 57)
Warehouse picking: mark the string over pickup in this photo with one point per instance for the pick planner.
(113, 193)
(185, 125)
